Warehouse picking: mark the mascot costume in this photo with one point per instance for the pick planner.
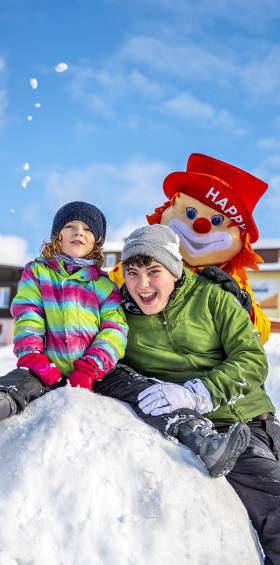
(210, 207)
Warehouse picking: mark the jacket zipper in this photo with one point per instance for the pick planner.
(163, 317)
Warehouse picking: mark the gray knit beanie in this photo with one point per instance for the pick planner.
(84, 212)
(156, 241)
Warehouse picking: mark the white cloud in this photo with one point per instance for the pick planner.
(269, 143)
(66, 186)
(103, 91)
(158, 65)
(31, 214)
(109, 91)
(181, 58)
(84, 129)
(131, 188)
(274, 192)
(272, 198)
(201, 15)
(150, 69)
(261, 76)
(13, 250)
(269, 165)
(3, 66)
(255, 67)
(3, 106)
(119, 234)
(268, 209)
(143, 182)
(187, 106)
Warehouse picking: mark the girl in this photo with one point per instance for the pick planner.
(68, 321)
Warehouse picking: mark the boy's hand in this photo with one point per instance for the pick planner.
(164, 398)
(41, 366)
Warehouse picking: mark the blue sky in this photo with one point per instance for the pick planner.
(148, 83)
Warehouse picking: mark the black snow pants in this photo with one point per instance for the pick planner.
(256, 479)
(256, 475)
(24, 387)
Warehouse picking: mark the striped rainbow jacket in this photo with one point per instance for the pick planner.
(68, 316)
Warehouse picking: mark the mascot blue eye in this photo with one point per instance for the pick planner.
(191, 213)
(217, 220)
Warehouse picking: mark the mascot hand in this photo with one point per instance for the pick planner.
(229, 284)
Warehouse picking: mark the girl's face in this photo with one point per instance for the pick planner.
(76, 239)
(150, 286)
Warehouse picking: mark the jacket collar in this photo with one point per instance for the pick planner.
(85, 273)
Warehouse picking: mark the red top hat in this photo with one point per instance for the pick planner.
(229, 190)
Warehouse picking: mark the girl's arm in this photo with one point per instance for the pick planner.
(28, 313)
(107, 347)
(110, 342)
(29, 329)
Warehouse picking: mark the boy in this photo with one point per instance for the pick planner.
(194, 351)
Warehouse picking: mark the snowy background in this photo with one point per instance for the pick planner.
(85, 482)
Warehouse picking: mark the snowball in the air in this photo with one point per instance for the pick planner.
(29, 118)
(25, 166)
(12, 210)
(33, 83)
(61, 67)
(37, 105)
(25, 181)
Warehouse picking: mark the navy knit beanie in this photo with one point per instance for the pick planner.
(84, 212)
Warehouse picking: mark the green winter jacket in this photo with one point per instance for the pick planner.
(204, 332)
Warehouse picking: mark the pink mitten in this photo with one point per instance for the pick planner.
(40, 365)
(85, 373)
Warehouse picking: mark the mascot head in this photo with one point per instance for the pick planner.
(210, 207)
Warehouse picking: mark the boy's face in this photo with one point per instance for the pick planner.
(149, 286)
(76, 239)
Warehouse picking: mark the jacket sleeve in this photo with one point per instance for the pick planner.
(245, 365)
(110, 343)
(28, 313)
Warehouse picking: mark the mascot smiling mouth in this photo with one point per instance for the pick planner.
(199, 244)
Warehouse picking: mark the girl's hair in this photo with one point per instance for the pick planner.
(49, 249)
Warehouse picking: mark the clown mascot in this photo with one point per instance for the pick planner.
(210, 207)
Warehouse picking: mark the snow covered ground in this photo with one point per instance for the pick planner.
(85, 482)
